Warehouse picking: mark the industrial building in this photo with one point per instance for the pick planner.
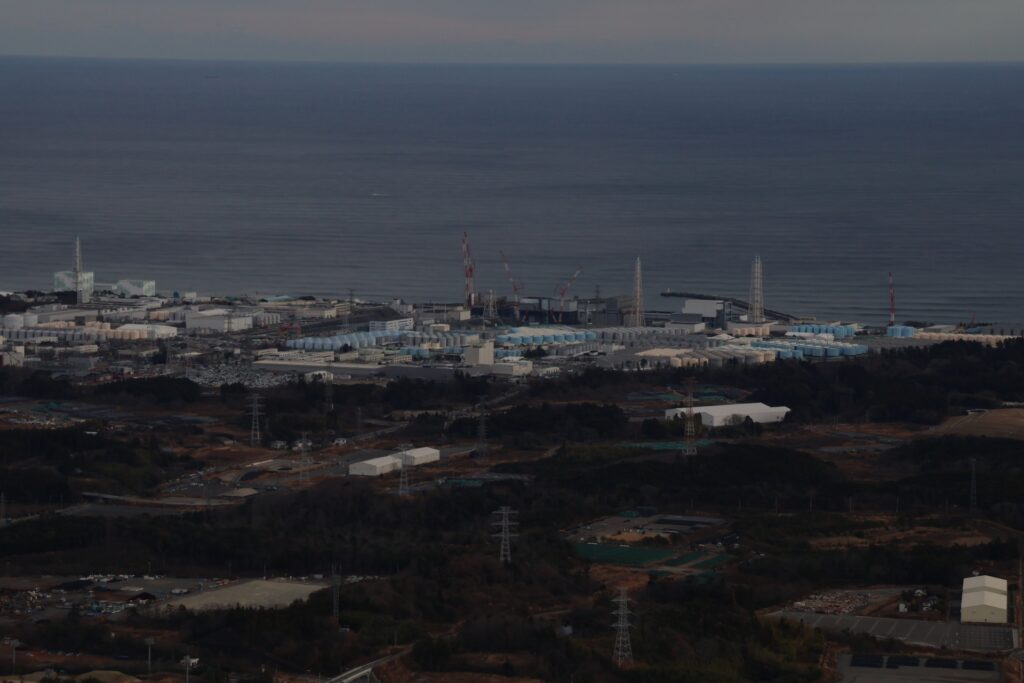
(984, 600)
(374, 467)
(392, 325)
(217, 320)
(418, 456)
(135, 288)
(724, 415)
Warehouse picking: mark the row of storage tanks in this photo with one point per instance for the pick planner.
(522, 338)
(722, 355)
(837, 331)
(986, 339)
(375, 467)
(17, 321)
(360, 340)
(901, 331)
(811, 348)
(75, 334)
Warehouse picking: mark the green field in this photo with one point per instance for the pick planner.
(685, 559)
(630, 556)
(713, 562)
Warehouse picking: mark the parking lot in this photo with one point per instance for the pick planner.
(935, 634)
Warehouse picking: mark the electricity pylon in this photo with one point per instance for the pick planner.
(506, 524)
(623, 653)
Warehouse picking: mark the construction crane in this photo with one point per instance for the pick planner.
(516, 285)
(564, 289)
(467, 271)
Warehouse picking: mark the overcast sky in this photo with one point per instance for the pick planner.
(603, 31)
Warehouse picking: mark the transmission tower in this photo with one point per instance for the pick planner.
(481, 435)
(974, 484)
(690, 439)
(254, 409)
(756, 292)
(506, 524)
(467, 271)
(892, 301)
(623, 647)
(636, 313)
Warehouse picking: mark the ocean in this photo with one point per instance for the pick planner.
(318, 178)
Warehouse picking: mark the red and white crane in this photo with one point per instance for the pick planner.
(564, 289)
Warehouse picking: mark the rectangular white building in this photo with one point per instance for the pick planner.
(64, 281)
(374, 467)
(984, 600)
(418, 456)
(733, 413)
(392, 325)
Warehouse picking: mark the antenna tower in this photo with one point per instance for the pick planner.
(254, 409)
(623, 647)
(690, 439)
(467, 271)
(892, 301)
(506, 524)
(974, 484)
(756, 292)
(636, 314)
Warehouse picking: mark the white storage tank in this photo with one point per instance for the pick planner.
(13, 321)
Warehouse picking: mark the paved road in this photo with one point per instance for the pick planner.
(936, 634)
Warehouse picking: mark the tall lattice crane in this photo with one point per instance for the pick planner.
(564, 289)
(517, 286)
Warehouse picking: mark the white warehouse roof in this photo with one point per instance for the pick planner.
(984, 582)
(983, 598)
(717, 416)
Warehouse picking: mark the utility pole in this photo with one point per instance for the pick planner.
(506, 524)
(623, 653)
(14, 655)
(149, 654)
